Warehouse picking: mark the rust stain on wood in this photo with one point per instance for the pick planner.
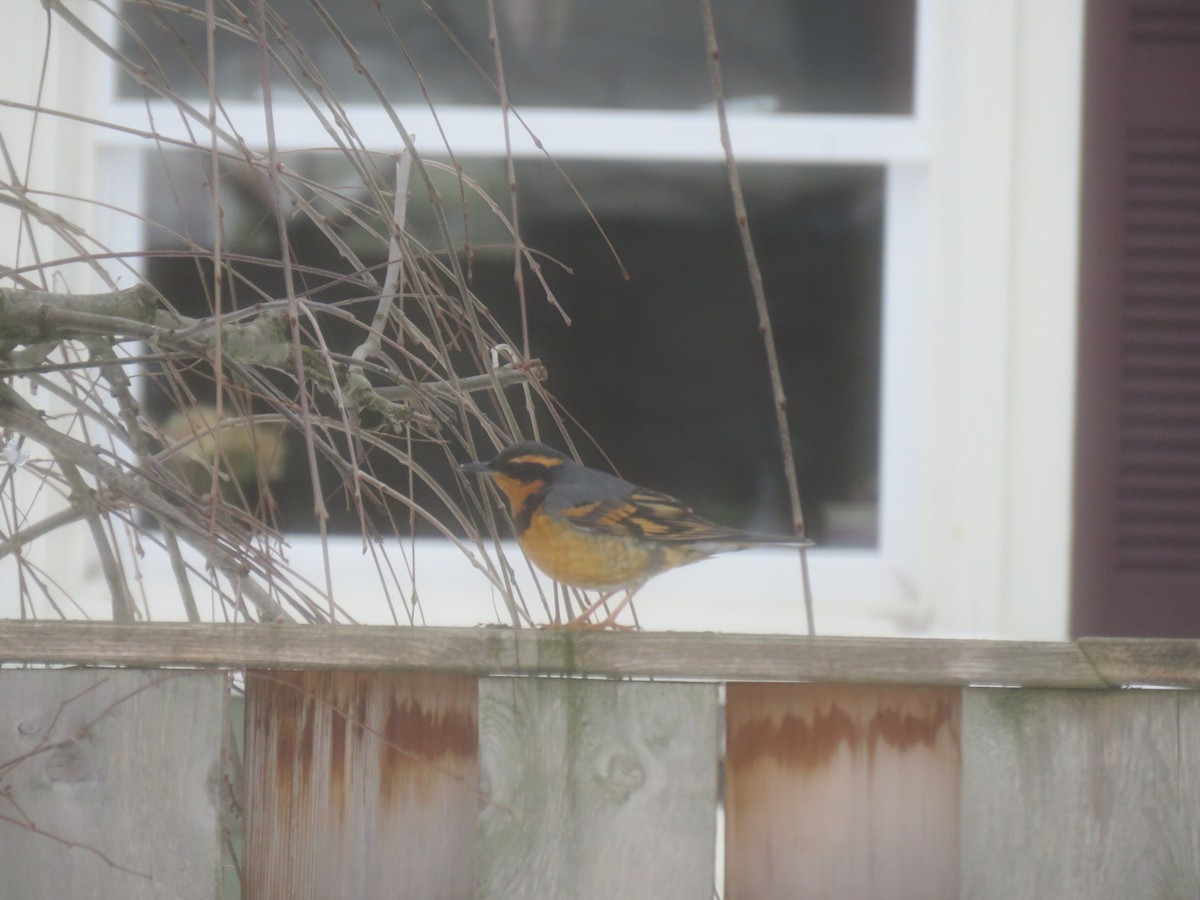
(767, 722)
(322, 722)
(848, 791)
(792, 740)
(421, 746)
(903, 731)
(344, 768)
(338, 738)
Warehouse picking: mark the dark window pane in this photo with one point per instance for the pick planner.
(665, 370)
(818, 56)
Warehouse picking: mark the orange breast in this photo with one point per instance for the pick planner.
(586, 559)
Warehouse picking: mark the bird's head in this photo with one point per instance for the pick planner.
(520, 471)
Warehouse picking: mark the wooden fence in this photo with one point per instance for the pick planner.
(453, 763)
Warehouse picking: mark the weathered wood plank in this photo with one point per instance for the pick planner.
(843, 791)
(116, 776)
(597, 789)
(1080, 794)
(360, 785)
(1187, 798)
(1157, 661)
(484, 651)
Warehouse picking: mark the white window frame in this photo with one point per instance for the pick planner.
(972, 435)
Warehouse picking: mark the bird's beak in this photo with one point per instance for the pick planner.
(475, 468)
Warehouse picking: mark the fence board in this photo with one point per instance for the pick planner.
(842, 791)
(118, 772)
(1187, 798)
(360, 785)
(1080, 794)
(597, 789)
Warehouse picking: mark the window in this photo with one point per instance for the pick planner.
(664, 369)
(914, 163)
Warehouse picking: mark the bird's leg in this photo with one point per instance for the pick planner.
(581, 620)
(610, 621)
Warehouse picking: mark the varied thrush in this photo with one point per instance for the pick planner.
(591, 530)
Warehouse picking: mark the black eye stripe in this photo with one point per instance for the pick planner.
(524, 516)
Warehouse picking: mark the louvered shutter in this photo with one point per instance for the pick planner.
(1137, 485)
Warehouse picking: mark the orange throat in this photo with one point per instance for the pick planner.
(518, 493)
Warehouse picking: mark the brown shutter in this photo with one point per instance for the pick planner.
(1137, 485)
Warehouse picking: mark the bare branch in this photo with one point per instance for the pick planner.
(30, 533)
(271, 332)
(84, 500)
(73, 845)
(393, 281)
(118, 383)
(222, 547)
(38, 317)
(760, 302)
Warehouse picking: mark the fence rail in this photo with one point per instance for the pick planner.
(1087, 663)
(430, 762)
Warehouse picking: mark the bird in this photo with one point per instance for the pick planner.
(591, 530)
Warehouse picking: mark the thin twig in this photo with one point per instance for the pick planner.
(760, 303)
(218, 272)
(453, 267)
(518, 241)
(74, 845)
(285, 254)
(119, 386)
(502, 376)
(27, 534)
(393, 282)
(84, 500)
(16, 414)
(78, 732)
(358, 386)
